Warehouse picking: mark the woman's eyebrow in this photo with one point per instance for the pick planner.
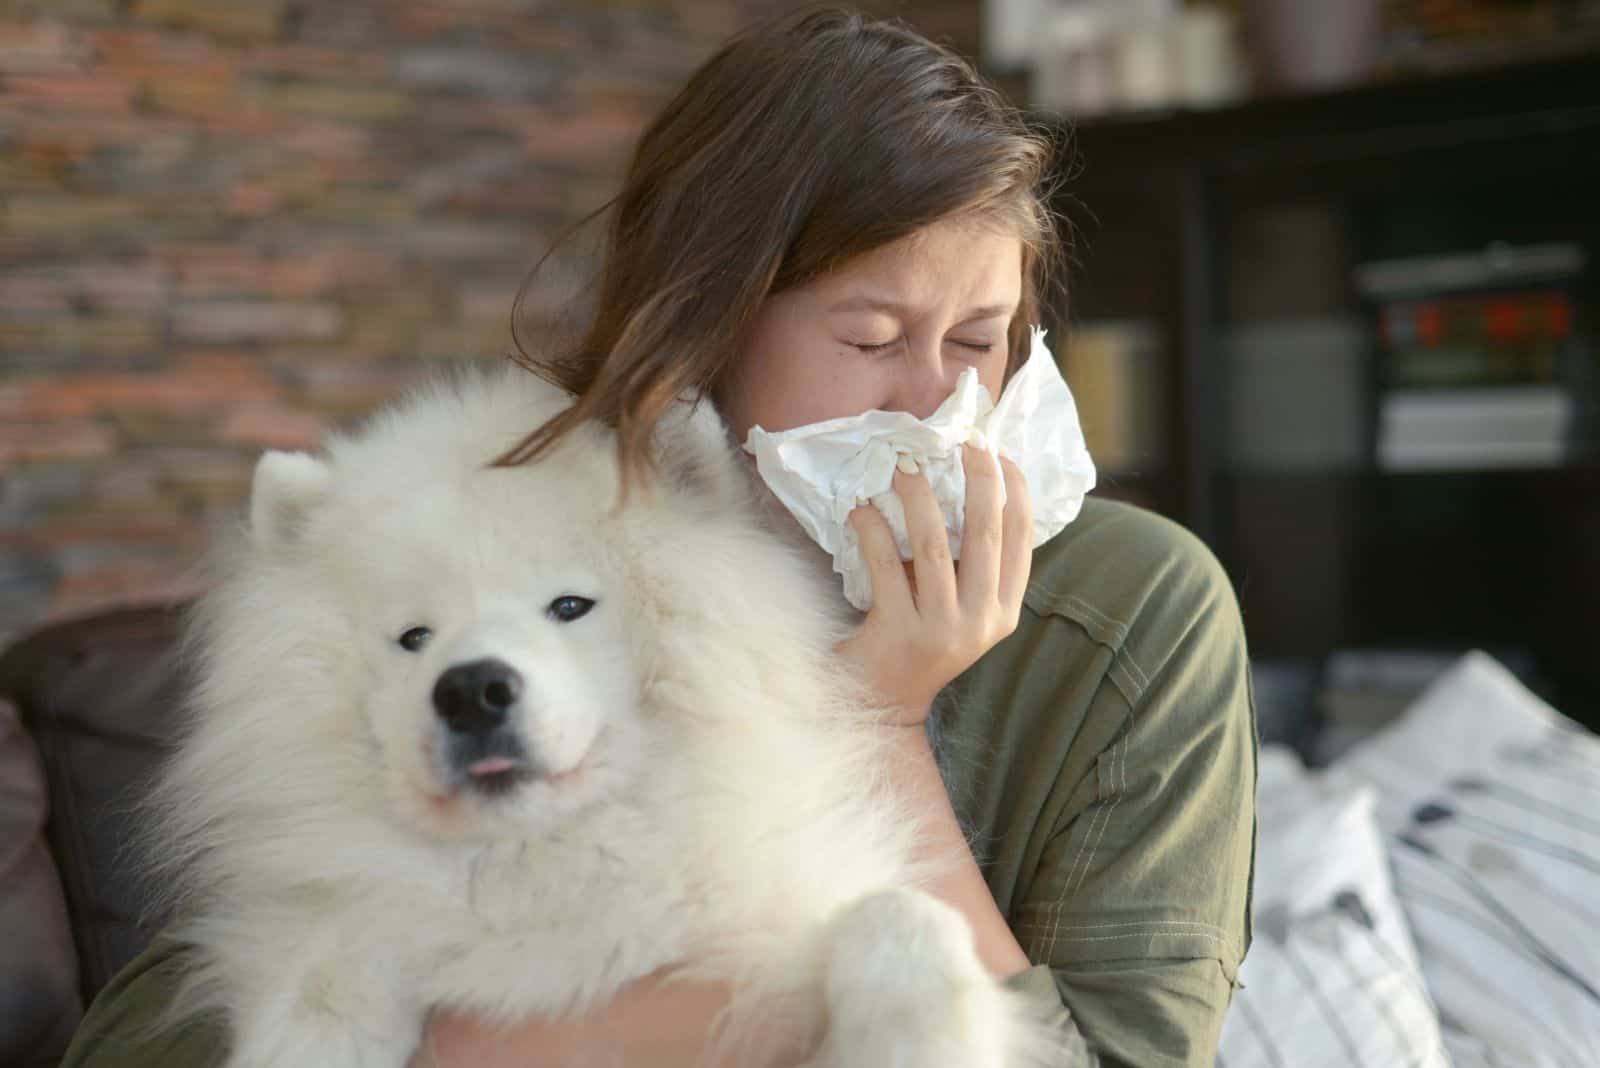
(991, 311)
(868, 303)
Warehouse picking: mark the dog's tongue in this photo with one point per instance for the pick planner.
(489, 766)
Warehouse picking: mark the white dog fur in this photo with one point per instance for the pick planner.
(703, 781)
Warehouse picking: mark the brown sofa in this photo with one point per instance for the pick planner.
(86, 707)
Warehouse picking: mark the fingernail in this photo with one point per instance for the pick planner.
(906, 464)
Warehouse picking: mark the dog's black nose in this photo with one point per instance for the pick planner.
(474, 698)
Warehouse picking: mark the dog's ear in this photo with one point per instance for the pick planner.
(695, 454)
(285, 488)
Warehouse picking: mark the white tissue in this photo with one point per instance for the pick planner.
(823, 470)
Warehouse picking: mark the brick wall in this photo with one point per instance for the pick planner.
(228, 224)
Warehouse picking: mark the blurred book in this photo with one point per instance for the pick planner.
(1295, 395)
(1492, 338)
(1444, 35)
(1461, 428)
(1114, 369)
(1496, 266)
(1477, 357)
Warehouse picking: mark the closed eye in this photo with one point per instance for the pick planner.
(887, 345)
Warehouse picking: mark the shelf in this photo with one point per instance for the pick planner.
(1179, 214)
(1557, 97)
(1579, 471)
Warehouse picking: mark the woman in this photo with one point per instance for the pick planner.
(835, 215)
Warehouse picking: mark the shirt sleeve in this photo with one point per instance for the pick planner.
(1126, 831)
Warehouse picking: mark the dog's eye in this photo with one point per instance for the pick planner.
(415, 638)
(567, 607)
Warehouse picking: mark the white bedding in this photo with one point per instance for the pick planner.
(1469, 832)
(1332, 978)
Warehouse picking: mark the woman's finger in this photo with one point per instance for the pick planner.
(983, 535)
(1016, 554)
(891, 591)
(930, 547)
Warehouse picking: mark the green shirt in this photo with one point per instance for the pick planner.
(1103, 759)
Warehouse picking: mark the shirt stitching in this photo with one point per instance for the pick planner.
(1218, 939)
(1118, 760)
(1047, 600)
(1225, 950)
(1147, 929)
(1123, 679)
(1100, 812)
(1125, 672)
(1094, 821)
(1119, 775)
(1117, 628)
(1127, 923)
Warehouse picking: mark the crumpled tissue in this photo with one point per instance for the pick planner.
(822, 471)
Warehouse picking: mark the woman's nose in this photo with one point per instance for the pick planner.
(922, 384)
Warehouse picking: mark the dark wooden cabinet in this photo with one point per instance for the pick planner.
(1235, 236)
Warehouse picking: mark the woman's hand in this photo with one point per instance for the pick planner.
(926, 628)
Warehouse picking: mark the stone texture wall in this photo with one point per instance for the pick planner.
(226, 225)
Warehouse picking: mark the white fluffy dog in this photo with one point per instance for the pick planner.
(497, 740)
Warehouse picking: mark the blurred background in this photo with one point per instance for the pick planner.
(1332, 304)
(1334, 309)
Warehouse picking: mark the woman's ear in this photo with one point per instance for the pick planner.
(285, 488)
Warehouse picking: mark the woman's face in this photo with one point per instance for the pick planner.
(891, 330)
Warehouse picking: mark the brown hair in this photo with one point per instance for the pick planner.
(804, 141)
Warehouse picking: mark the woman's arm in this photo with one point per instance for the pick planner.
(961, 883)
(657, 1021)
(926, 628)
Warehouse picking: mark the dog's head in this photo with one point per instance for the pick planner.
(469, 645)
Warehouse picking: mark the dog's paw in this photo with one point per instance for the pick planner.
(904, 988)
